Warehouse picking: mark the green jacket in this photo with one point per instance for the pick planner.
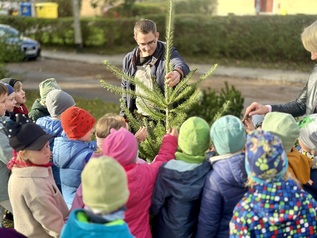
(38, 110)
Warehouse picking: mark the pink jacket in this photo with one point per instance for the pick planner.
(78, 199)
(122, 146)
(141, 181)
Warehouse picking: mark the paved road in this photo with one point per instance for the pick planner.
(78, 79)
(80, 75)
(237, 72)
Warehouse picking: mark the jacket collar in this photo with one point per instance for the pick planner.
(159, 52)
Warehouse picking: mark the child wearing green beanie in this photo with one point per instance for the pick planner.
(285, 126)
(105, 193)
(177, 193)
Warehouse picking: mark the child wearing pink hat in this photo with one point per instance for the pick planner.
(123, 146)
(103, 127)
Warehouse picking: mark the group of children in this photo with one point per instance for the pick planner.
(58, 182)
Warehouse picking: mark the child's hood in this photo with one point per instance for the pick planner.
(299, 165)
(121, 145)
(232, 170)
(51, 126)
(65, 150)
(280, 202)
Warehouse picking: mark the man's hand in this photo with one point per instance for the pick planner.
(172, 78)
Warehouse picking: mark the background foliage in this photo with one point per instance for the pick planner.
(253, 38)
(211, 103)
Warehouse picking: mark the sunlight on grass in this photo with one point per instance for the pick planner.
(96, 107)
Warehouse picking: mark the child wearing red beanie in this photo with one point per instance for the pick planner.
(72, 151)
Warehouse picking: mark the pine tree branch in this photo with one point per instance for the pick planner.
(184, 94)
(153, 96)
(168, 54)
(169, 36)
(187, 104)
(181, 86)
(118, 72)
(149, 95)
(206, 75)
(225, 107)
(156, 113)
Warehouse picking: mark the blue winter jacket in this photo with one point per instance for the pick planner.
(79, 229)
(157, 70)
(53, 127)
(224, 188)
(71, 156)
(176, 200)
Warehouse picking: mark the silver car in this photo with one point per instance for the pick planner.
(31, 49)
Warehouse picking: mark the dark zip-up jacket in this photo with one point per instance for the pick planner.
(176, 201)
(306, 101)
(157, 70)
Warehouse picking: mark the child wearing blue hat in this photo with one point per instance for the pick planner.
(225, 183)
(20, 97)
(275, 205)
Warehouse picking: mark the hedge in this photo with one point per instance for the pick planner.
(255, 38)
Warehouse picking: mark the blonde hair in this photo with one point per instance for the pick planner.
(309, 37)
(107, 122)
(250, 182)
(3, 89)
(17, 86)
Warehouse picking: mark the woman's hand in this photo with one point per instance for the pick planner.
(255, 108)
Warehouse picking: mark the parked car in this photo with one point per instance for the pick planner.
(31, 49)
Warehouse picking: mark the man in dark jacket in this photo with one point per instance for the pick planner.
(146, 62)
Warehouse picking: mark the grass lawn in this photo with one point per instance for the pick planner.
(96, 107)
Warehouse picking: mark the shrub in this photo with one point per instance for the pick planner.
(261, 38)
(212, 102)
(10, 52)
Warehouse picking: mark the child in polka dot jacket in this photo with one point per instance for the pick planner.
(274, 206)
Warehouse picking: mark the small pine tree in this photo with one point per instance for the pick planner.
(211, 103)
(171, 109)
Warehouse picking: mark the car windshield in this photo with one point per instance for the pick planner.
(9, 32)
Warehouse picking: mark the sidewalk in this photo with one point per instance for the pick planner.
(237, 72)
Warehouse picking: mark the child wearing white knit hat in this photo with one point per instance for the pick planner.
(307, 141)
(39, 109)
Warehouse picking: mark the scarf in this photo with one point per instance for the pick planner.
(14, 162)
(191, 159)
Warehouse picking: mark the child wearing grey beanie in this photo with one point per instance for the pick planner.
(57, 101)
